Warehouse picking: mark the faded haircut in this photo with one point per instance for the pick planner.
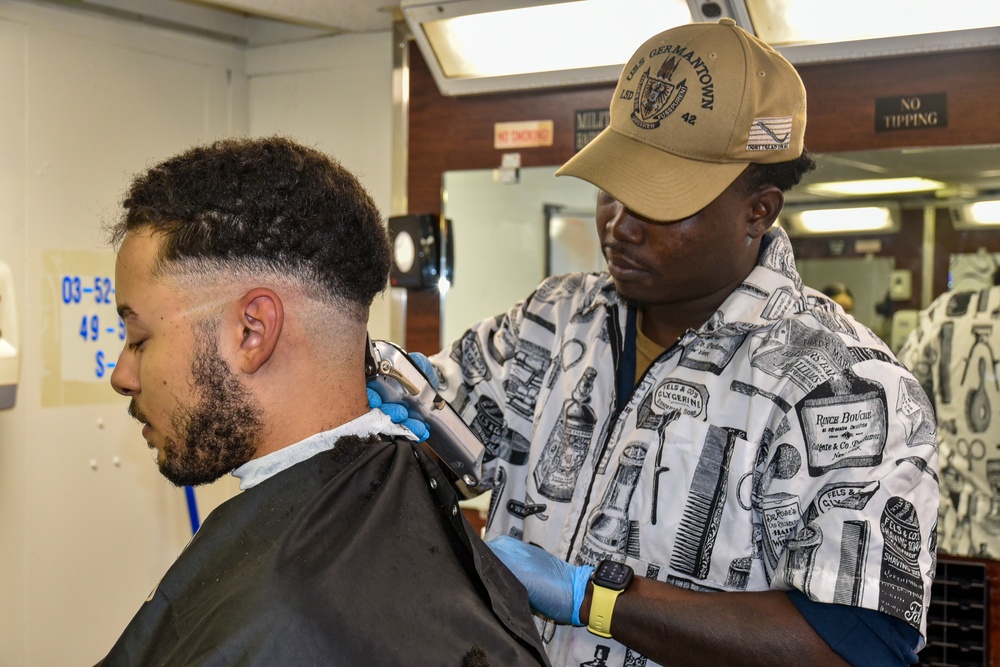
(263, 206)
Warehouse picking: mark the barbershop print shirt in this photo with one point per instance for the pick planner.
(779, 446)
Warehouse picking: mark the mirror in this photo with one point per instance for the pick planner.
(499, 228)
(571, 243)
(867, 278)
(972, 271)
(513, 228)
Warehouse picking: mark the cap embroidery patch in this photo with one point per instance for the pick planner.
(657, 97)
(770, 134)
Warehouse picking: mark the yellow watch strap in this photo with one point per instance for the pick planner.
(602, 605)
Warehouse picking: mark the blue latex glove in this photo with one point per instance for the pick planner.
(555, 588)
(424, 364)
(398, 412)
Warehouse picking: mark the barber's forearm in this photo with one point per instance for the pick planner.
(672, 625)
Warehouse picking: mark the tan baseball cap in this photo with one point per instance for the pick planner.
(693, 107)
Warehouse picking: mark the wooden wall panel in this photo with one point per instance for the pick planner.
(841, 100)
(450, 133)
(993, 577)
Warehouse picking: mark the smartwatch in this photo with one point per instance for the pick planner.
(610, 579)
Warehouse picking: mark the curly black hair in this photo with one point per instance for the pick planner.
(263, 204)
(783, 175)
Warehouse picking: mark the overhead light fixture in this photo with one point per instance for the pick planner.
(478, 46)
(972, 215)
(874, 186)
(788, 22)
(810, 31)
(984, 212)
(879, 218)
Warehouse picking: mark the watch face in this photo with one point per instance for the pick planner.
(609, 574)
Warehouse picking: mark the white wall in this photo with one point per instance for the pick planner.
(88, 525)
(334, 94)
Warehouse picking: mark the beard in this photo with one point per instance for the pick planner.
(219, 432)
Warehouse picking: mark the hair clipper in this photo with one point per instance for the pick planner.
(450, 442)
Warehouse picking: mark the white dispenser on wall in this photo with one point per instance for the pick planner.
(10, 342)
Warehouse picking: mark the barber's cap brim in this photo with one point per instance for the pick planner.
(648, 181)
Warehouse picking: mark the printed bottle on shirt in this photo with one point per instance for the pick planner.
(801, 555)
(568, 444)
(488, 425)
(609, 530)
(901, 588)
(844, 421)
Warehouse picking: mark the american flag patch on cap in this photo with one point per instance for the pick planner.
(770, 134)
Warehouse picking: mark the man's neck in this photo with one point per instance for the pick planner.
(664, 324)
(261, 468)
(309, 408)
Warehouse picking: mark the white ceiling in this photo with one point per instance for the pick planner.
(338, 15)
(251, 22)
(266, 21)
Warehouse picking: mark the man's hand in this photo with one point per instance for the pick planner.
(555, 588)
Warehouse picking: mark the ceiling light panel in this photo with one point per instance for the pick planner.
(488, 45)
(789, 22)
(973, 215)
(875, 186)
(807, 31)
(877, 218)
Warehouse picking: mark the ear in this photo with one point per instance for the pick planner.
(765, 205)
(261, 316)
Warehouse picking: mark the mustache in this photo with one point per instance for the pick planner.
(613, 253)
(135, 413)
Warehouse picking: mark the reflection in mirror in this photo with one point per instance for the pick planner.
(501, 231)
(966, 172)
(973, 271)
(501, 237)
(917, 251)
(572, 245)
(866, 277)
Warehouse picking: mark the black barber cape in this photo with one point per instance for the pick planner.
(356, 556)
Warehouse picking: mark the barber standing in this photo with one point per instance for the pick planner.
(695, 458)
